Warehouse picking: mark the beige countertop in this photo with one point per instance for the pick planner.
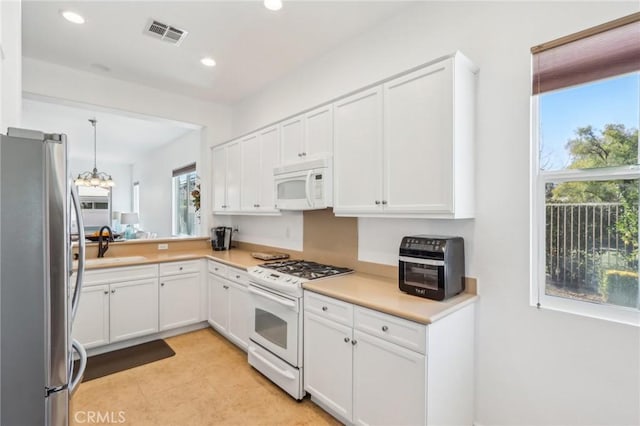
(371, 291)
(382, 294)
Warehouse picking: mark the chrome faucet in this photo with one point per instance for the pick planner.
(102, 249)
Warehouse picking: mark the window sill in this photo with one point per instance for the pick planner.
(620, 315)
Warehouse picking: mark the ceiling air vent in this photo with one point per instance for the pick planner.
(165, 32)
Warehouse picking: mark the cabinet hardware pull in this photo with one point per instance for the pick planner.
(237, 277)
(161, 284)
(377, 202)
(384, 202)
(346, 339)
(385, 328)
(299, 154)
(106, 292)
(354, 342)
(258, 205)
(226, 287)
(181, 268)
(304, 154)
(113, 291)
(324, 308)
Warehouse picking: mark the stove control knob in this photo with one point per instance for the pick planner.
(288, 279)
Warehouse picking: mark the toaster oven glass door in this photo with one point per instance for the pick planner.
(422, 273)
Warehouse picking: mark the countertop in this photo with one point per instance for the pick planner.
(370, 291)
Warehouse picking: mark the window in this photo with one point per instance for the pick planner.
(184, 210)
(135, 194)
(586, 172)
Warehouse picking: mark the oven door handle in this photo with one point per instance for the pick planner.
(285, 302)
(284, 373)
(430, 262)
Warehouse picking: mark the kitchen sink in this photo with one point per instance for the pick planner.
(110, 260)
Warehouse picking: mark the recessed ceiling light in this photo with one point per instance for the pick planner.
(208, 62)
(72, 17)
(273, 4)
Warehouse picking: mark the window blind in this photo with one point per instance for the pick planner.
(184, 170)
(600, 52)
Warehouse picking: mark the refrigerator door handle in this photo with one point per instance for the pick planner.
(81, 252)
(73, 383)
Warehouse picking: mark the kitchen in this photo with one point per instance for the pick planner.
(529, 364)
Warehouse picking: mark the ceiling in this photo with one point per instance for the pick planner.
(252, 46)
(120, 138)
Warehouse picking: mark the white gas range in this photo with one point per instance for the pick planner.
(275, 346)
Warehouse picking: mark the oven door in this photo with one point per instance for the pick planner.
(422, 277)
(275, 323)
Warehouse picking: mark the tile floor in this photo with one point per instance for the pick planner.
(207, 382)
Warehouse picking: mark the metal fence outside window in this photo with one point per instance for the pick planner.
(581, 240)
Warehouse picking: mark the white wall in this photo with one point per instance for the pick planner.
(46, 79)
(10, 69)
(534, 367)
(154, 174)
(121, 174)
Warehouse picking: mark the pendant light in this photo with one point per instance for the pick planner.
(94, 178)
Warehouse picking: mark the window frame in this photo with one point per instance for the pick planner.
(539, 178)
(177, 173)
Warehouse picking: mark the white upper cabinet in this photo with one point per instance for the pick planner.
(226, 175)
(307, 136)
(358, 153)
(424, 165)
(291, 144)
(259, 157)
(318, 136)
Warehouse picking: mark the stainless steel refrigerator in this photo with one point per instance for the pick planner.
(38, 296)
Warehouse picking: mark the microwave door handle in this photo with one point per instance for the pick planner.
(307, 188)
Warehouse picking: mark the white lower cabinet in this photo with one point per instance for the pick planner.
(388, 383)
(134, 309)
(369, 368)
(180, 293)
(117, 304)
(91, 326)
(229, 303)
(328, 367)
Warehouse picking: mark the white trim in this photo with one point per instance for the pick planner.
(619, 314)
(604, 173)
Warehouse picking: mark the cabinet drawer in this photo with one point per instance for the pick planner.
(329, 308)
(218, 268)
(396, 330)
(174, 268)
(238, 276)
(114, 275)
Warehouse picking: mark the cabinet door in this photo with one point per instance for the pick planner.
(218, 303)
(134, 309)
(91, 326)
(358, 153)
(179, 300)
(319, 132)
(418, 140)
(292, 136)
(250, 188)
(327, 364)
(269, 158)
(388, 383)
(238, 329)
(219, 176)
(234, 176)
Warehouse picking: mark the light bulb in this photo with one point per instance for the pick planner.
(94, 181)
(72, 17)
(273, 4)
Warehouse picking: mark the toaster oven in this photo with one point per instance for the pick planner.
(431, 267)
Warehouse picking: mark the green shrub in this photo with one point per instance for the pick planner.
(620, 288)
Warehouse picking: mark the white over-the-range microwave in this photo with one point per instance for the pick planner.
(304, 186)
